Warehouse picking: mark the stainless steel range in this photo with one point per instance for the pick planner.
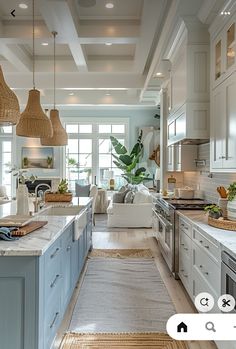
(166, 227)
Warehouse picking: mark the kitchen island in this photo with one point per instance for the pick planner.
(38, 274)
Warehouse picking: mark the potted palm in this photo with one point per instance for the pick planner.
(128, 162)
(231, 206)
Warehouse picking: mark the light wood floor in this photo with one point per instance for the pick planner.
(141, 238)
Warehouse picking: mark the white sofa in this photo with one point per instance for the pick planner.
(135, 215)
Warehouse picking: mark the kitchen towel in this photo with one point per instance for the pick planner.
(5, 233)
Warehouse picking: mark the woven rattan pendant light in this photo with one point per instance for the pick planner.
(59, 137)
(9, 105)
(33, 122)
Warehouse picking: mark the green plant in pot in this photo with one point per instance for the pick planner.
(63, 187)
(214, 211)
(128, 162)
(231, 206)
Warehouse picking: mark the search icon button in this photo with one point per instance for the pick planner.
(210, 326)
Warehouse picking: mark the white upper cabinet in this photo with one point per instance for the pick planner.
(223, 49)
(181, 158)
(223, 97)
(190, 80)
(223, 126)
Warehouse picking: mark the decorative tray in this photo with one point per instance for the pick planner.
(15, 221)
(56, 197)
(222, 223)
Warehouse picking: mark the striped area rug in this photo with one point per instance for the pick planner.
(121, 341)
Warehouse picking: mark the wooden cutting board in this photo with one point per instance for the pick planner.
(34, 225)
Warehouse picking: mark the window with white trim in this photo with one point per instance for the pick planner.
(89, 152)
(6, 157)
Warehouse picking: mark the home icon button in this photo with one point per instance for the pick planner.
(182, 327)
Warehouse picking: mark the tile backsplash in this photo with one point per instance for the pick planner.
(201, 179)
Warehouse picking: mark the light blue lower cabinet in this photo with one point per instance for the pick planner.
(35, 292)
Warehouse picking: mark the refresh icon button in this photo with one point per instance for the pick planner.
(204, 302)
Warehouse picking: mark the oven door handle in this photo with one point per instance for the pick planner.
(164, 221)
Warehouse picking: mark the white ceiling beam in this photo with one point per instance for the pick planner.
(17, 57)
(151, 19)
(58, 17)
(76, 80)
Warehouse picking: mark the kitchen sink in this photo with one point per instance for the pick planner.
(59, 211)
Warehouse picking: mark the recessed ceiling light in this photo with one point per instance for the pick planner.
(108, 43)
(71, 94)
(225, 13)
(44, 44)
(23, 6)
(158, 74)
(109, 5)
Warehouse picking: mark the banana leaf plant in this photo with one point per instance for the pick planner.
(128, 162)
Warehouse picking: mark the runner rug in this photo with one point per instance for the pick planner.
(122, 303)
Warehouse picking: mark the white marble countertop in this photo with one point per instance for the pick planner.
(37, 242)
(225, 238)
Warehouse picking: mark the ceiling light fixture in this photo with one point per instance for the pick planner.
(158, 74)
(23, 6)
(108, 43)
(108, 94)
(33, 121)
(44, 43)
(59, 137)
(9, 105)
(109, 5)
(71, 94)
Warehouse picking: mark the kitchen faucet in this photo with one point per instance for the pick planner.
(37, 202)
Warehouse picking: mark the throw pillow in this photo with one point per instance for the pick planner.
(142, 197)
(82, 190)
(118, 198)
(129, 197)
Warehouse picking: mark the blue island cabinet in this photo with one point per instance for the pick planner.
(35, 291)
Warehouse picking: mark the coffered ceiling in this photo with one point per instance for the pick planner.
(104, 55)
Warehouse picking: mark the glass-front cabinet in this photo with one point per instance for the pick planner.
(223, 50)
(218, 60)
(230, 48)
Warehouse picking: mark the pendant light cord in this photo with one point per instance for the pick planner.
(54, 68)
(33, 49)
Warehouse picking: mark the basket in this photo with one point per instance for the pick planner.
(57, 197)
(222, 223)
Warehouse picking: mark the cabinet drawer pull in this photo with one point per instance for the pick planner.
(182, 244)
(207, 246)
(200, 241)
(54, 320)
(68, 248)
(222, 157)
(182, 270)
(55, 281)
(185, 275)
(182, 224)
(186, 249)
(55, 252)
(206, 272)
(200, 266)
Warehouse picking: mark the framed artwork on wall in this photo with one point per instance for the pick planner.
(37, 157)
